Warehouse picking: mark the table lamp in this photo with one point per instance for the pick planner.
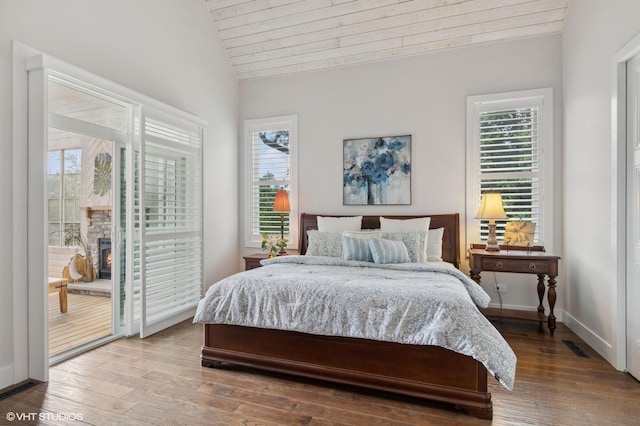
(281, 204)
(491, 208)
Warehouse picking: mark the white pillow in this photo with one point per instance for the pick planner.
(365, 233)
(324, 243)
(387, 251)
(405, 225)
(434, 245)
(339, 224)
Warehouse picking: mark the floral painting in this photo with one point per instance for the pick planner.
(377, 171)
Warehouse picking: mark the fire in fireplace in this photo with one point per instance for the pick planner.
(104, 265)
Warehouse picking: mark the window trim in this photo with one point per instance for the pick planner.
(268, 123)
(479, 103)
(61, 199)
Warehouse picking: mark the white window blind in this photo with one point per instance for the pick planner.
(506, 154)
(271, 166)
(271, 171)
(171, 223)
(509, 163)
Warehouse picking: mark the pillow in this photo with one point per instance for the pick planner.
(365, 233)
(356, 248)
(339, 224)
(414, 241)
(387, 251)
(434, 245)
(324, 243)
(404, 225)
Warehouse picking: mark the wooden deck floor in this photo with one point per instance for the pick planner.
(159, 380)
(88, 318)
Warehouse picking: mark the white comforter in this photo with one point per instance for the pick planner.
(412, 303)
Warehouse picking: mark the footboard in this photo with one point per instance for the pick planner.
(427, 372)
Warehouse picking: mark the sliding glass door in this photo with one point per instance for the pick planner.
(87, 131)
(133, 205)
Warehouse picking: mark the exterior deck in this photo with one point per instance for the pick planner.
(88, 318)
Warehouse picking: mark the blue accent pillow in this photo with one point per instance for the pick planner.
(387, 251)
(414, 241)
(354, 248)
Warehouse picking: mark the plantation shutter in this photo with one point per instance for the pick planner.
(170, 222)
(509, 162)
(270, 171)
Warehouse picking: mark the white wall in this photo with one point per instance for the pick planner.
(424, 96)
(594, 32)
(166, 49)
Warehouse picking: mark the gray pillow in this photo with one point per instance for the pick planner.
(415, 242)
(324, 243)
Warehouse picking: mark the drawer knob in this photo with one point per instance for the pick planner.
(499, 265)
(532, 266)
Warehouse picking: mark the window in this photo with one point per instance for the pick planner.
(509, 150)
(271, 164)
(64, 188)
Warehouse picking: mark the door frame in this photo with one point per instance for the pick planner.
(29, 356)
(619, 192)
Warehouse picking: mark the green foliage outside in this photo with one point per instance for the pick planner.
(270, 220)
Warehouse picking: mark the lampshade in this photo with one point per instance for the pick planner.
(281, 203)
(491, 206)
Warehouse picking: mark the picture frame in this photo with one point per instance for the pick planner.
(377, 171)
(519, 233)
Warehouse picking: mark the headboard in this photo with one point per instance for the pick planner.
(450, 223)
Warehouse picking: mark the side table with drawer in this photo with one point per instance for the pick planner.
(252, 261)
(532, 260)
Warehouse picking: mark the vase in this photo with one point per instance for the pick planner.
(88, 267)
(272, 254)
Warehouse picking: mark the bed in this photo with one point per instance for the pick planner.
(416, 370)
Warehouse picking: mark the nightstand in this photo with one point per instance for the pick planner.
(252, 261)
(522, 260)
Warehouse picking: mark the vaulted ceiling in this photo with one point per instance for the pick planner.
(266, 38)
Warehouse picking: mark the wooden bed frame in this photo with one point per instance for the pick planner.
(426, 372)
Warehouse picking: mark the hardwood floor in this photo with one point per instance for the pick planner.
(159, 381)
(88, 318)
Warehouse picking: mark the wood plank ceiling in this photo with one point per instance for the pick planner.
(267, 38)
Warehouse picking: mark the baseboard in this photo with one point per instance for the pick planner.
(597, 343)
(558, 313)
(6, 376)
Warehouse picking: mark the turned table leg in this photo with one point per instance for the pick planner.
(541, 297)
(475, 276)
(551, 296)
